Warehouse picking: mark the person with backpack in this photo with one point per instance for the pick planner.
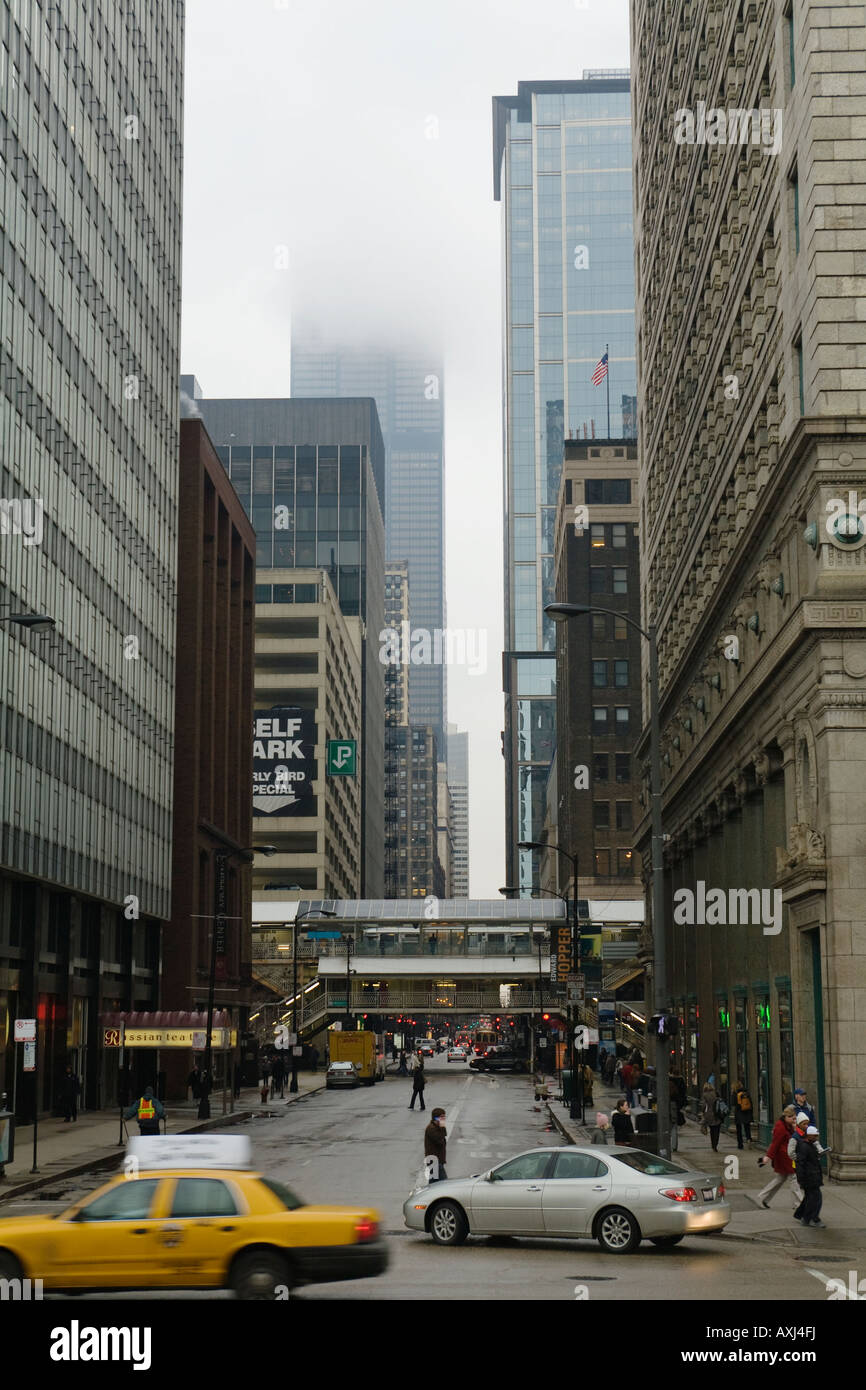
(147, 1110)
(743, 1112)
(810, 1178)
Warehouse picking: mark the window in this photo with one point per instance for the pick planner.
(610, 492)
(602, 863)
(620, 673)
(596, 537)
(650, 1164)
(622, 770)
(620, 580)
(798, 371)
(623, 815)
(618, 536)
(601, 815)
(600, 767)
(599, 673)
(599, 627)
(789, 24)
(620, 629)
(569, 1165)
(794, 187)
(129, 1201)
(202, 1197)
(625, 863)
(599, 717)
(598, 579)
(523, 1169)
(622, 713)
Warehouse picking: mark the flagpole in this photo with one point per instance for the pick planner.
(607, 352)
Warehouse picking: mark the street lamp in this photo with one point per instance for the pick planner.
(316, 914)
(221, 858)
(561, 612)
(35, 622)
(575, 952)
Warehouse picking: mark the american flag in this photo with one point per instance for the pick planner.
(600, 372)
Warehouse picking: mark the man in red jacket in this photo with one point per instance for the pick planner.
(777, 1154)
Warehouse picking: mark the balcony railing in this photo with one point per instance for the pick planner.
(473, 946)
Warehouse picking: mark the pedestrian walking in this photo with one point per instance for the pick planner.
(802, 1103)
(810, 1178)
(777, 1154)
(588, 1079)
(147, 1110)
(602, 1127)
(278, 1077)
(435, 1144)
(314, 1058)
(743, 1112)
(629, 1081)
(402, 1070)
(711, 1114)
(193, 1082)
(419, 1081)
(69, 1092)
(609, 1068)
(623, 1129)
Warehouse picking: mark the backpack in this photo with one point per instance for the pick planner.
(744, 1100)
(721, 1108)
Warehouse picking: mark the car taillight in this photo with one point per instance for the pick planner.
(720, 1191)
(679, 1194)
(366, 1230)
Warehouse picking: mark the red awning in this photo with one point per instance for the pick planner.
(166, 1018)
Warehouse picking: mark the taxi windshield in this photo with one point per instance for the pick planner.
(288, 1199)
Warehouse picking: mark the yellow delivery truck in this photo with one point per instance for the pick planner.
(365, 1049)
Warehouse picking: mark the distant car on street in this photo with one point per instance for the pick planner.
(619, 1199)
(427, 1049)
(499, 1059)
(341, 1074)
(456, 1054)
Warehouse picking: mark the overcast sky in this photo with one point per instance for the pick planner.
(338, 156)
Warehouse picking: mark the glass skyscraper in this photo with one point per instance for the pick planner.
(562, 171)
(408, 391)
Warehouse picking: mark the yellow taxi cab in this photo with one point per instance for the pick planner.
(189, 1212)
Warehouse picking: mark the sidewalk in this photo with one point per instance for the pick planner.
(844, 1206)
(91, 1141)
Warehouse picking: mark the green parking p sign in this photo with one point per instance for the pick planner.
(342, 757)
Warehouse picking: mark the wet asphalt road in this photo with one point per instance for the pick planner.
(365, 1146)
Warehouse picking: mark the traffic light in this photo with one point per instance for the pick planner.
(546, 1017)
(665, 1025)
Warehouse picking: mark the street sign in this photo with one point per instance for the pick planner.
(342, 757)
(581, 1036)
(25, 1030)
(30, 1056)
(297, 1052)
(320, 935)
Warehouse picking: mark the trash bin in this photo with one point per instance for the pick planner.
(646, 1133)
(567, 1085)
(7, 1138)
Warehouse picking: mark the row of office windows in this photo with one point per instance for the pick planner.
(601, 819)
(601, 673)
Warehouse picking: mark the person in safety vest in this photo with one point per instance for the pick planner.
(148, 1111)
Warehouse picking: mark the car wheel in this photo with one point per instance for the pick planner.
(448, 1224)
(618, 1232)
(9, 1266)
(665, 1242)
(259, 1274)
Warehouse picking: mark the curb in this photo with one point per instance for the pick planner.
(113, 1160)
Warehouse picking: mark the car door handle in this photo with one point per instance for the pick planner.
(533, 1189)
(599, 1187)
(139, 1231)
(228, 1228)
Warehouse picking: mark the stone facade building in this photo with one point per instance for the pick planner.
(750, 260)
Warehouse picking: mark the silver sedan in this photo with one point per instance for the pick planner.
(617, 1196)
